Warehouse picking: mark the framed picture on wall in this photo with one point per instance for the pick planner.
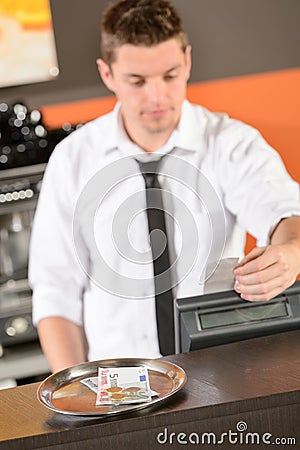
(27, 44)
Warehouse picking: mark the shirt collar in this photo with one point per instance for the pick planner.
(187, 135)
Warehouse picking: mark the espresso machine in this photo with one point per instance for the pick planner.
(19, 190)
(25, 147)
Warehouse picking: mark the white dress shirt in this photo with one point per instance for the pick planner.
(90, 259)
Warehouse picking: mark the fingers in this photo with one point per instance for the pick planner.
(261, 291)
(258, 259)
(262, 297)
(263, 274)
(253, 254)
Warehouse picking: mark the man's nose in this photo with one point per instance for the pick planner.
(156, 89)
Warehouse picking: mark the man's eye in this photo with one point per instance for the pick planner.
(138, 83)
(170, 77)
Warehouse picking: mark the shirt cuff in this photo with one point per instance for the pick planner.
(53, 303)
(275, 221)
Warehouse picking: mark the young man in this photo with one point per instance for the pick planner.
(90, 267)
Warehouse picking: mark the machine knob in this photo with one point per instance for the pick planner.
(17, 326)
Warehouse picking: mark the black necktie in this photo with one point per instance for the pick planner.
(161, 260)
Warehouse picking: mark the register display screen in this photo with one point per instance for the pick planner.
(242, 315)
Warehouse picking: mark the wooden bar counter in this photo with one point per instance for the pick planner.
(240, 395)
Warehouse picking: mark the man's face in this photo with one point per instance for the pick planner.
(150, 83)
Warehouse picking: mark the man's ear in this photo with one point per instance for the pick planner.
(106, 74)
(188, 61)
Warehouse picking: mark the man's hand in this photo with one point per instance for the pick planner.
(267, 271)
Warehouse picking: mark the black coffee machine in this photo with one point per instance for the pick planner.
(25, 147)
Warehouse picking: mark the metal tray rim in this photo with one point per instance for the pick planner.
(80, 371)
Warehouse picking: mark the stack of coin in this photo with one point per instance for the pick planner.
(116, 393)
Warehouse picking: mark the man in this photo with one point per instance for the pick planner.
(93, 289)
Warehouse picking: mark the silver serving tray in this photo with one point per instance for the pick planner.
(63, 392)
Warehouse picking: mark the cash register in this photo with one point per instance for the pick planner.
(222, 317)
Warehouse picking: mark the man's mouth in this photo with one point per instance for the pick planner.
(156, 113)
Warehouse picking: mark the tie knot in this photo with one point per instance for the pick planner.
(149, 171)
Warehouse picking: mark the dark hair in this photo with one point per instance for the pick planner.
(139, 22)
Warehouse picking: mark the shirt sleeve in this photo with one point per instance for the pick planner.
(257, 187)
(55, 275)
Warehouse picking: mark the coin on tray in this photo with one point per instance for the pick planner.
(114, 389)
(132, 390)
